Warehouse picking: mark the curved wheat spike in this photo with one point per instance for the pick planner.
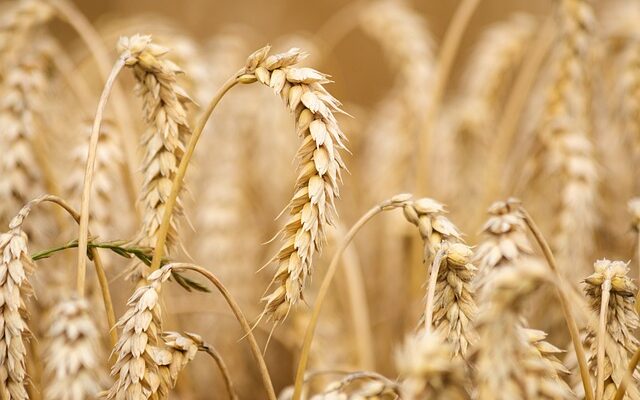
(164, 106)
(360, 385)
(313, 205)
(619, 342)
(73, 359)
(523, 372)
(430, 370)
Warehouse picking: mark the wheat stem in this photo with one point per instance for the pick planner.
(564, 303)
(176, 185)
(93, 41)
(237, 311)
(602, 332)
(83, 237)
(322, 293)
(446, 56)
(356, 292)
(224, 371)
(431, 293)
(627, 377)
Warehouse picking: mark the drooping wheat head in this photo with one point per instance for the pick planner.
(164, 108)
(312, 207)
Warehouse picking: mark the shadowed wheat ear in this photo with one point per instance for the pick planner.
(21, 175)
(164, 107)
(108, 161)
(450, 304)
(565, 134)
(179, 350)
(429, 369)
(73, 360)
(312, 207)
(15, 268)
(509, 365)
(139, 350)
(618, 342)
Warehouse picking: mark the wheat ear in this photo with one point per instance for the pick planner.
(139, 349)
(618, 342)
(73, 360)
(430, 370)
(15, 268)
(522, 372)
(312, 207)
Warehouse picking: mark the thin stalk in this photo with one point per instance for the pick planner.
(336, 27)
(322, 294)
(363, 337)
(446, 56)
(226, 376)
(431, 293)
(176, 186)
(602, 332)
(68, 12)
(628, 376)
(564, 303)
(97, 262)
(83, 236)
(237, 311)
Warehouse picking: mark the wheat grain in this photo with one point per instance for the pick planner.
(15, 289)
(73, 359)
(164, 106)
(429, 369)
(312, 207)
(620, 342)
(360, 385)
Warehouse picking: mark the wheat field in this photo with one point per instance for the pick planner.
(378, 199)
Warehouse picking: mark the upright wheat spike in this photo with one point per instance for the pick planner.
(312, 207)
(139, 349)
(164, 106)
(15, 25)
(73, 359)
(620, 342)
(109, 160)
(408, 46)
(508, 365)
(429, 369)
(565, 133)
(15, 268)
(20, 174)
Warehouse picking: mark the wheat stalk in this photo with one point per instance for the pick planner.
(73, 360)
(312, 207)
(430, 370)
(619, 342)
